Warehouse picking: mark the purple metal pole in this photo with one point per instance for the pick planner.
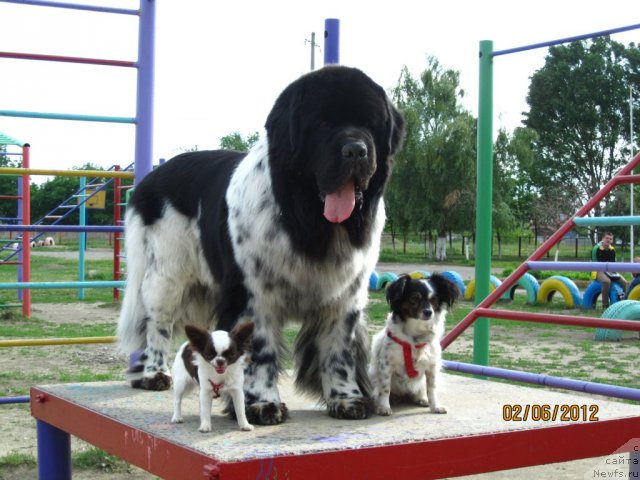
(9, 400)
(585, 266)
(20, 252)
(54, 452)
(546, 380)
(567, 40)
(74, 6)
(145, 84)
(331, 41)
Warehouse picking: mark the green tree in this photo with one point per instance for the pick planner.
(49, 195)
(435, 171)
(579, 108)
(235, 141)
(503, 187)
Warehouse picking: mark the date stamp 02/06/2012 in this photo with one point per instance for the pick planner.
(516, 412)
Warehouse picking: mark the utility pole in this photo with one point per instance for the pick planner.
(313, 44)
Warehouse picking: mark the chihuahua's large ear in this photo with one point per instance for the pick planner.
(241, 335)
(198, 337)
(396, 289)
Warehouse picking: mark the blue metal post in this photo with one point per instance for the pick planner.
(145, 86)
(83, 235)
(331, 41)
(54, 452)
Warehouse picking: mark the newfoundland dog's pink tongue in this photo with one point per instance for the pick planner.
(339, 204)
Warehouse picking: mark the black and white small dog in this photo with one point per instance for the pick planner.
(406, 356)
(216, 362)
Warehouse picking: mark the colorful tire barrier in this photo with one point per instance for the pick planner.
(530, 285)
(622, 310)
(470, 291)
(457, 279)
(633, 291)
(373, 280)
(593, 291)
(562, 285)
(418, 274)
(385, 279)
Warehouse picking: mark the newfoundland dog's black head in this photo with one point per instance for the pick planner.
(332, 134)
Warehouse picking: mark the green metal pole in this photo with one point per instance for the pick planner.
(484, 196)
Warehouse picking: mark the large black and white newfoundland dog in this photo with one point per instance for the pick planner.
(289, 231)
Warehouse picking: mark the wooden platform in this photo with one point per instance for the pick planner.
(412, 443)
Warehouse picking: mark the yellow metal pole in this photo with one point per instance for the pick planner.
(31, 342)
(65, 173)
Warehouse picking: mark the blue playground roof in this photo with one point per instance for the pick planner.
(7, 140)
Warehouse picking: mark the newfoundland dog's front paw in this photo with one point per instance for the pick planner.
(267, 413)
(350, 408)
(160, 381)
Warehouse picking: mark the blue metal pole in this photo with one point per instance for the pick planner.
(66, 116)
(54, 452)
(63, 285)
(145, 85)
(83, 235)
(331, 41)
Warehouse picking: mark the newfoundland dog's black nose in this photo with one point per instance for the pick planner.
(356, 150)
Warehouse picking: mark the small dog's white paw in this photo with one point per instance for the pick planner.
(423, 402)
(176, 419)
(204, 428)
(246, 428)
(439, 409)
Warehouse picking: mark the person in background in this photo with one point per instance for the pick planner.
(606, 252)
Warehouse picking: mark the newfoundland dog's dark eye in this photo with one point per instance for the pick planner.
(324, 125)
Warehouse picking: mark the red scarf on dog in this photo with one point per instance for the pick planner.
(216, 388)
(406, 351)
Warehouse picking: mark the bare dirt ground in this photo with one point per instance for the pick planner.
(17, 427)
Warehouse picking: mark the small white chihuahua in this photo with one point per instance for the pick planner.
(216, 362)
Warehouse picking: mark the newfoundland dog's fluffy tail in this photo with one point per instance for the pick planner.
(132, 331)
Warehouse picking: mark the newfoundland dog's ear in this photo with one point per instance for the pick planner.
(396, 138)
(283, 121)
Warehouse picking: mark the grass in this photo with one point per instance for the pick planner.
(50, 269)
(18, 326)
(91, 459)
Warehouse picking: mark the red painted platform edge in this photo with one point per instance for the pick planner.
(419, 460)
(156, 455)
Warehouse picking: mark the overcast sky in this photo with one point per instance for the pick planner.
(220, 65)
